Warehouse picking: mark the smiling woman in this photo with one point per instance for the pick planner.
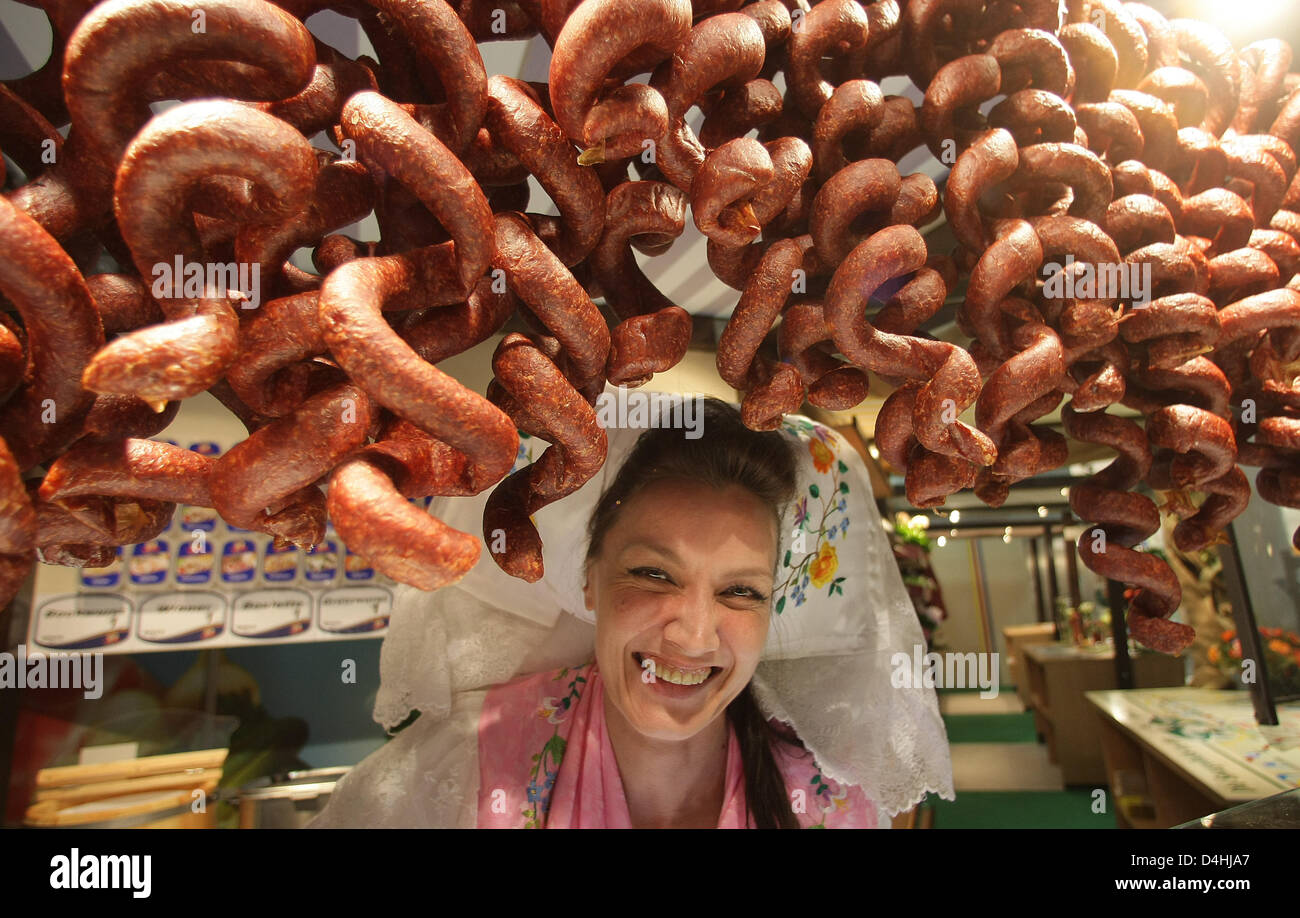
(661, 729)
(681, 561)
(731, 633)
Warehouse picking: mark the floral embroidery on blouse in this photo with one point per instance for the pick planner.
(546, 763)
(820, 801)
(831, 798)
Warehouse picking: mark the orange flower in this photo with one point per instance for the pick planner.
(823, 567)
(1281, 647)
(1271, 632)
(821, 455)
(1213, 653)
(1227, 636)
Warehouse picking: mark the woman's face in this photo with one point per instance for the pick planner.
(684, 579)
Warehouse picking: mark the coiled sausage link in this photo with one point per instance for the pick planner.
(594, 41)
(63, 331)
(951, 377)
(370, 351)
(267, 482)
(653, 333)
(17, 528)
(559, 413)
(1120, 519)
(177, 151)
(369, 503)
(387, 136)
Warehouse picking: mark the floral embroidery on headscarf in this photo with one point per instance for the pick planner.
(821, 455)
(814, 514)
(823, 567)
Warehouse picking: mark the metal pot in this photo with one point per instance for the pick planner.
(289, 801)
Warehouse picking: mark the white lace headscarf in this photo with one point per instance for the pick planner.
(840, 618)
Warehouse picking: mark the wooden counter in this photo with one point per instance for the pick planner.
(1176, 755)
(1016, 638)
(1058, 676)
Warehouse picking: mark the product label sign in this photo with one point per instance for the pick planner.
(353, 609)
(81, 621)
(182, 618)
(271, 613)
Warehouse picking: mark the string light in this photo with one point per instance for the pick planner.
(943, 540)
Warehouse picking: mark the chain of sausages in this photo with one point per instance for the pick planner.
(1094, 129)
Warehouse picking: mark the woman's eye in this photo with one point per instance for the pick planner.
(739, 592)
(652, 572)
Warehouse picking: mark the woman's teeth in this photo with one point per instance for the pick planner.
(673, 676)
(676, 677)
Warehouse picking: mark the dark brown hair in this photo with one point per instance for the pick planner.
(762, 462)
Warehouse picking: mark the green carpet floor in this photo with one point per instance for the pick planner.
(1070, 809)
(1064, 809)
(990, 728)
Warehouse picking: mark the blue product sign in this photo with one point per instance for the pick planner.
(280, 565)
(149, 562)
(321, 562)
(238, 561)
(194, 562)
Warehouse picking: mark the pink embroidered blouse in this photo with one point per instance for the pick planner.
(545, 761)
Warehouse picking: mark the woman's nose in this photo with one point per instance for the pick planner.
(693, 625)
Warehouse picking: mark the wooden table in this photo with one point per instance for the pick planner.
(1176, 755)
(1058, 676)
(1017, 638)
